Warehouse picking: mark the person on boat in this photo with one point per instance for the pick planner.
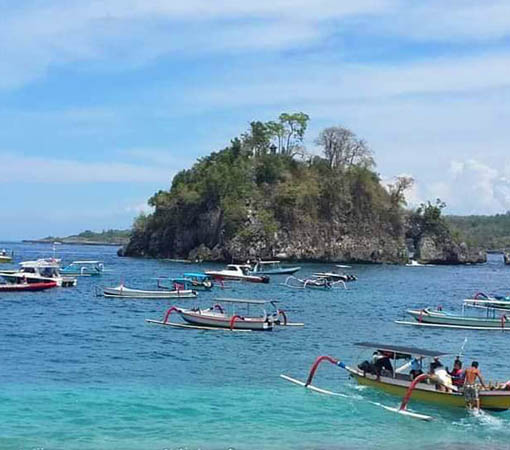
(381, 361)
(440, 375)
(457, 373)
(471, 388)
(416, 367)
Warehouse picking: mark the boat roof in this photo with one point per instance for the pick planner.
(268, 262)
(40, 263)
(196, 274)
(402, 349)
(244, 300)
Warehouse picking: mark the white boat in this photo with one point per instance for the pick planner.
(122, 291)
(414, 263)
(5, 256)
(273, 268)
(38, 271)
(237, 272)
(230, 313)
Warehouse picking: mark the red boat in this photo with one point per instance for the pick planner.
(21, 287)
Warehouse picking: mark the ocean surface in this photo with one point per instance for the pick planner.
(78, 371)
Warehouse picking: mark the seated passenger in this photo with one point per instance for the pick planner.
(381, 361)
(457, 373)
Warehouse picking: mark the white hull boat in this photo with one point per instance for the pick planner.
(122, 291)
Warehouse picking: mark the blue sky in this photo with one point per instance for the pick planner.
(101, 103)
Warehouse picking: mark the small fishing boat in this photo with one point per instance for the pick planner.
(199, 280)
(24, 287)
(229, 314)
(83, 268)
(5, 256)
(122, 291)
(343, 266)
(38, 271)
(438, 318)
(237, 272)
(272, 268)
(335, 276)
(320, 283)
(435, 388)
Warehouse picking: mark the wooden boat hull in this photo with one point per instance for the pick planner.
(439, 318)
(224, 321)
(489, 400)
(5, 259)
(123, 292)
(24, 287)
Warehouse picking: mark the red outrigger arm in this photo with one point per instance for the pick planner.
(316, 364)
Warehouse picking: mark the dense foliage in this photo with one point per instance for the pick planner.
(487, 232)
(265, 183)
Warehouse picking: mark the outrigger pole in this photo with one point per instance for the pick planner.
(403, 406)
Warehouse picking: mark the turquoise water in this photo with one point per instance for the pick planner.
(84, 372)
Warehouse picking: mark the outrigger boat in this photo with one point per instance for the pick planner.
(335, 276)
(272, 268)
(320, 283)
(122, 291)
(41, 270)
(229, 314)
(83, 268)
(237, 272)
(484, 301)
(179, 284)
(199, 280)
(5, 256)
(430, 317)
(30, 287)
(422, 388)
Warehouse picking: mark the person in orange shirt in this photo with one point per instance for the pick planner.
(470, 386)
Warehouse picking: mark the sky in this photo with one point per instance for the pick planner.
(102, 102)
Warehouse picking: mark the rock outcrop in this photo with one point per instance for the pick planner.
(440, 250)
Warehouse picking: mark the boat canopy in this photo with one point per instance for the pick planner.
(415, 351)
(268, 262)
(196, 275)
(242, 300)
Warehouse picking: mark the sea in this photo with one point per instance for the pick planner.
(80, 371)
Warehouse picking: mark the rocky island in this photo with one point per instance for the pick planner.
(265, 196)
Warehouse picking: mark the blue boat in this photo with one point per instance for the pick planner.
(190, 280)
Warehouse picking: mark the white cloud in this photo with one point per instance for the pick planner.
(58, 171)
(470, 187)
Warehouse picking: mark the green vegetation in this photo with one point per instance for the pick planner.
(487, 232)
(105, 236)
(264, 184)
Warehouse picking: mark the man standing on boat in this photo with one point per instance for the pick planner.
(470, 386)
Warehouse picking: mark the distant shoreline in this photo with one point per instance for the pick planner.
(71, 242)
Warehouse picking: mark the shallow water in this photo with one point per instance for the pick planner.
(84, 372)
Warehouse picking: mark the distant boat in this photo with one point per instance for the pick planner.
(414, 263)
(343, 266)
(5, 256)
(313, 283)
(83, 268)
(273, 268)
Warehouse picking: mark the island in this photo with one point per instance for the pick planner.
(107, 237)
(267, 196)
